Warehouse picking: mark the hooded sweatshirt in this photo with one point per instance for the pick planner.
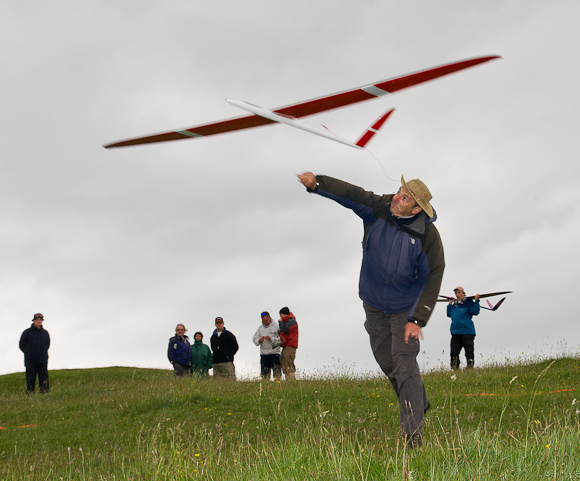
(268, 347)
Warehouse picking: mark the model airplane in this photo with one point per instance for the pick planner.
(289, 114)
(481, 296)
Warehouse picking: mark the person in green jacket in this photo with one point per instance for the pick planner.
(201, 356)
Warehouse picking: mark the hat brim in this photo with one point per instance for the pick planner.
(426, 206)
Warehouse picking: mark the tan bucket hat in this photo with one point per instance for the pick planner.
(420, 193)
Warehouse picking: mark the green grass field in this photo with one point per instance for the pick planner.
(119, 423)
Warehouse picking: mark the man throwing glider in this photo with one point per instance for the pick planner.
(400, 277)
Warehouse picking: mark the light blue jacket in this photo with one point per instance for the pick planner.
(460, 314)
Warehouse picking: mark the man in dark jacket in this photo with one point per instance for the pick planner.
(461, 310)
(34, 343)
(179, 351)
(224, 346)
(401, 273)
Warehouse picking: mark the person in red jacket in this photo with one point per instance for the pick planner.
(289, 337)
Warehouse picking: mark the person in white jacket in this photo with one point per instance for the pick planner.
(268, 338)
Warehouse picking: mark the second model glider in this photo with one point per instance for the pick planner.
(290, 113)
(481, 296)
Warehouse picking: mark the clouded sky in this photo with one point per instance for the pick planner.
(116, 247)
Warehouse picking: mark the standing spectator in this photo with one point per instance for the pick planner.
(401, 272)
(289, 337)
(460, 311)
(179, 351)
(224, 346)
(268, 339)
(201, 356)
(34, 343)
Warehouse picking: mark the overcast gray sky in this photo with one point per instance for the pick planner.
(116, 247)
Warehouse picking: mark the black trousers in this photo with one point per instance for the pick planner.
(34, 369)
(462, 341)
(269, 363)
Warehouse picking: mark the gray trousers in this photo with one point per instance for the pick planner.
(225, 370)
(399, 363)
(180, 370)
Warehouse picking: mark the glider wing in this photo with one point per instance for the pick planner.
(309, 107)
(481, 296)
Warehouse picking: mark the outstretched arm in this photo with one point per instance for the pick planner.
(308, 180)
(363, 203)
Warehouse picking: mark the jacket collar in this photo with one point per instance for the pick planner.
(415, 224)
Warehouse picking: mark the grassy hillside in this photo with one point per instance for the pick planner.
(507, 422)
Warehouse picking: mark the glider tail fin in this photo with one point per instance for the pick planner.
(373, 129)
(496, 307)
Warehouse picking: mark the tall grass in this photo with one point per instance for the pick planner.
(502, 422)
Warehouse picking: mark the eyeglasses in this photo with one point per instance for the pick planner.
(264, 314)
(180, 329)
(219, 322)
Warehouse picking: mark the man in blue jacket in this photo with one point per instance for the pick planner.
(460, 311)
(179, 352)
(401, 273)
(34, 343)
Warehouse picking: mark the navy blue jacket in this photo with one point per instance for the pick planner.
(403, 260)
(179, 351)
(460, 314)
(224, 346)
(34, 343)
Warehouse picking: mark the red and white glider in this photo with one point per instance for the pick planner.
(290, 113)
